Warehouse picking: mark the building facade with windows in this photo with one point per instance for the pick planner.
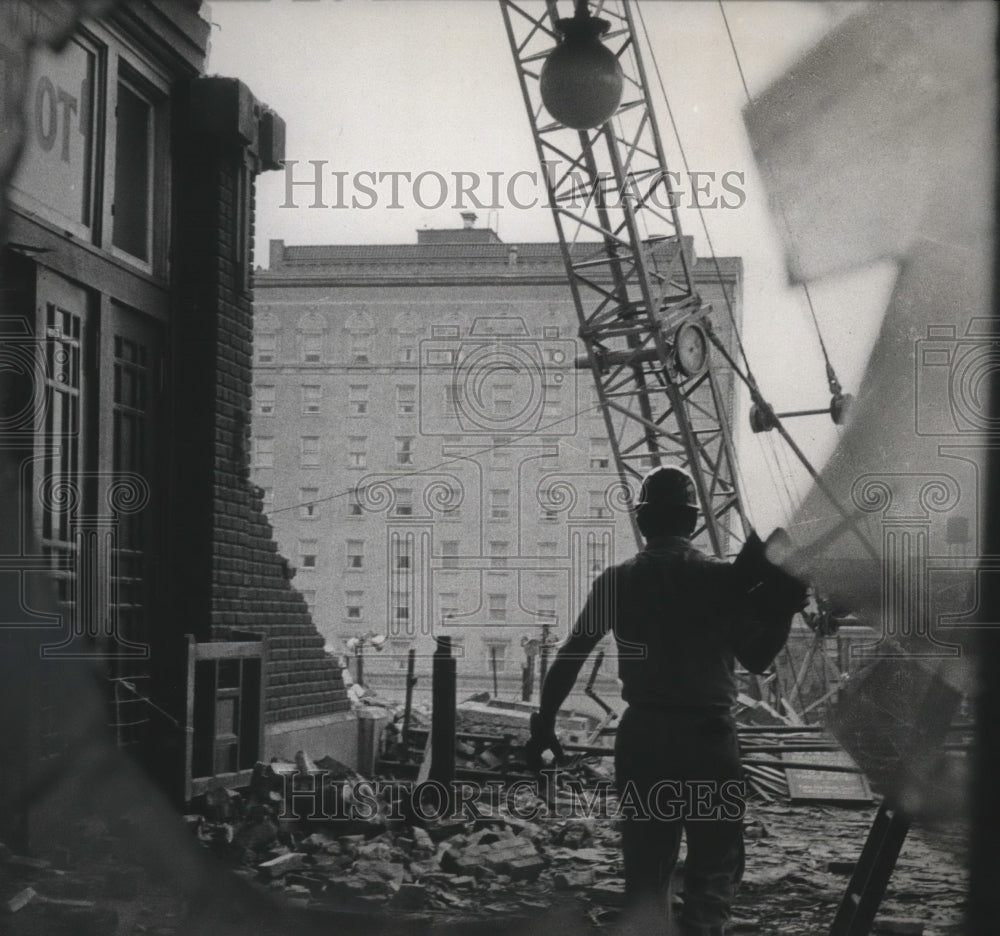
(134, 542)
(430, 457)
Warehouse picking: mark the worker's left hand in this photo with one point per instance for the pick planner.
(543, 738)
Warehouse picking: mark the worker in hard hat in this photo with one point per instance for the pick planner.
(680, 619)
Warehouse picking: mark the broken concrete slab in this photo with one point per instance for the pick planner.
(572, 880)
(20, 900)
(898, 926)
(276, 867)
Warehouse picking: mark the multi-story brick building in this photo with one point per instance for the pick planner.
(431, 459)
(136, 544)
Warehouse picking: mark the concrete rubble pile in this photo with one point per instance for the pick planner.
(378, 860)
(499, 864)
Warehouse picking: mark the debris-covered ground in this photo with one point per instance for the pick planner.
(318, 840)
(798, 862)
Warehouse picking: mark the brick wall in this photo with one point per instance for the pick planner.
(224, 549)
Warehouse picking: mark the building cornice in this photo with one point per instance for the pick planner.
(730, 268)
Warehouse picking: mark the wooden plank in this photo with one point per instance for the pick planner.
(240, 778)
(223, 649)
(824, 786)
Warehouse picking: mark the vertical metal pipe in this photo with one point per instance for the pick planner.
(411, 681)
(443, 717)
(543, 653)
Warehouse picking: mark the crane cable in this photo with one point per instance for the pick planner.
(748, 375)
(701, 211)
(831, 374)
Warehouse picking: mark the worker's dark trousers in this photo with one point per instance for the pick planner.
(673, 761)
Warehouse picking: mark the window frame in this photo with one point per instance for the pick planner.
(141, 81)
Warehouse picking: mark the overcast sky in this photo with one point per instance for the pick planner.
(429, 86)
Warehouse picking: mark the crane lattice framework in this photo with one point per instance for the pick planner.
(641, 318)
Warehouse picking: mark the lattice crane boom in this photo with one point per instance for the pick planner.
(633, 287)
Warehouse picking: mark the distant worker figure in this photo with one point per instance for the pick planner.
(679, 618)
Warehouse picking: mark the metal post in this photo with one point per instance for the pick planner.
(443, 716)
(543, 665)
(411, 681)
(528, 679)
(493, 666)
(359, 666)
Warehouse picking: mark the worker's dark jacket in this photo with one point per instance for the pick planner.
(680, 619)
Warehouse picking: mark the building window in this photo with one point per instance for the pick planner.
(497, 607)
(401, 551)
(355, 554)
(267, 496)
(133, 215)
(449, 554)
(360, 349)
(549, 515)
(440, 357)
(406, 400)
(309, 453)
(599, 456)
(404, 502)
(353, 605)
(498, 554)
(404, 450)
(400, 606)
(547, 608)
(307, 554)
(503, 399)
(598, 505)
(501, 450)
(550, 331)
(309, 503)
(309, 595)
(357, 400)
(407, 352)
(267, 347)
(594, 408)
(500, 504)
(496, 656)
(595, 557)
(265, 397)
(263, 452)
(357, 452)
(312, 394)
(448, 605)
(354, 506)
(551, 403)
(312, 348)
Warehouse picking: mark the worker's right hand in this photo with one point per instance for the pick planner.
(543, 738)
